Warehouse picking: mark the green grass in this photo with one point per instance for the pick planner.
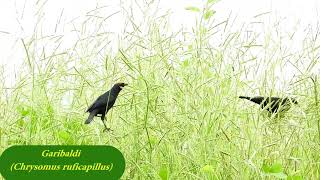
(180, 118)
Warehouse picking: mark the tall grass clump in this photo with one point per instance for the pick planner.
(180, 118)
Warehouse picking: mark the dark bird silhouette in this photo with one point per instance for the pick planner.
(272, 104)
(104, 103)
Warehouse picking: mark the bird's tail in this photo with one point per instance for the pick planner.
(90, 118)
(244, 97)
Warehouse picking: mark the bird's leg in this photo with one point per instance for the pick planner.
(105, 126)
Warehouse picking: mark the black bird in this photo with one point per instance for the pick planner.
(272, 104)
(104, 103)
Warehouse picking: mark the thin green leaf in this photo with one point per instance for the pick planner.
(279, 175)
(276, 168)
(163, 173)
(294, 177)
(209, 14)
(208, 169)
(193, 9)
(212, 1)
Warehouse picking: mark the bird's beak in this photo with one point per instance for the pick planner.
(124, 84)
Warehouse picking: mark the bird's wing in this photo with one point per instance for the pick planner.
(257, 99)
(99, 102)
(111, 103)
(91, 107)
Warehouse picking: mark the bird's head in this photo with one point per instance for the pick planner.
(120, 85)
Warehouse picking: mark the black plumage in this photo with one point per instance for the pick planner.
(272, 104)
(104, 103)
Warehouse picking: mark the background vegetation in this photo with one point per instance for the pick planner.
(180, 118)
